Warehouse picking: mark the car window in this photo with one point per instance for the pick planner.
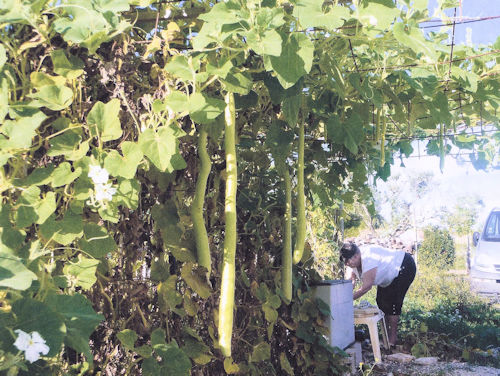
(492, 228)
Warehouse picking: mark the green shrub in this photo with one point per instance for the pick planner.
(437, 249)
(444, 317)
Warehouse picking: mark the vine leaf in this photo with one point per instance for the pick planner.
(63, 175)
(350, 134)
(295, 60)
(125, 166)
(413, 38)
(21, 131)
(70, 67)
(160, 146)
(82, 272)
(267, 43)
(79, 318)
(65, 230)
(310, 14)
(106, 120)
(204, 109)
(260, 352)
(96, 241)
(13, 273)
(33, 209)
(195, 278)
(53, 97)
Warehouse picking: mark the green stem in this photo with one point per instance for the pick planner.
(200, 230)
(301, 206)
(226, 305)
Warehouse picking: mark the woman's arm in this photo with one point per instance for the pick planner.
(367, 281)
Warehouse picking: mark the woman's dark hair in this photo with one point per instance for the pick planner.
(348, 250)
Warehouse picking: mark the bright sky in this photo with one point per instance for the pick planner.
(482, 32)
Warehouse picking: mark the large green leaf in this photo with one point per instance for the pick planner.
(106, 119)
(96, 241)
(33, 315)
(279, 140)
(63, 231)
(182, 67)
(174, 362)
(350, 134)
(127, 193)
(236, 83)
(265, 43)
(70, 67)
(68, 144)
(54, 97)
(159, 146)
(377, 16)
(204, 109)
(413, 38)
(80, 320)
(39, 176)
(196, 279)
(295, 60)
(125, 166)
(81, 272)
(311, 13)
(128, 337)
(32, 208)
(63, 174)
(13, 273)
(20, 132)
(260, 352)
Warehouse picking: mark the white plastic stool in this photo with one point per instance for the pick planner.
(371, 320)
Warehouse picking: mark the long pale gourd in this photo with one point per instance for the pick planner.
(382, 143)
(200, 230)
(286, 268)
(301, 206)
(226, 305)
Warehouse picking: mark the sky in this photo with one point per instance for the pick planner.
(482, 32)
(459, 179)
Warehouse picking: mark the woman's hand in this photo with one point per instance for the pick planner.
(367, 281)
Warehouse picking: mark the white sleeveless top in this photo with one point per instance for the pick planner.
(387, 261)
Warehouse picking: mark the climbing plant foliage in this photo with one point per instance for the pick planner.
(101, 107)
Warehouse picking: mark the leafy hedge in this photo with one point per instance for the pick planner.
(437, 248)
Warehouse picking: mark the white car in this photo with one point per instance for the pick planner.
(485, 271)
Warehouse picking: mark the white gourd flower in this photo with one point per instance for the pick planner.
(32, 344)
(98, 174)
(104, 192)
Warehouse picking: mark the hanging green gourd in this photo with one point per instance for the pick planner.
(280, 141)
(441, 147)
(200, 231)
(286, 268)
(226, 305)
(382, 142)
(377, 126)
(300, 238)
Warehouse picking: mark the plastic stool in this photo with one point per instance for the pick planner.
(371, 320)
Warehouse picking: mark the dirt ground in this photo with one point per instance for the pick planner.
(438, 369)
(441, 368)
